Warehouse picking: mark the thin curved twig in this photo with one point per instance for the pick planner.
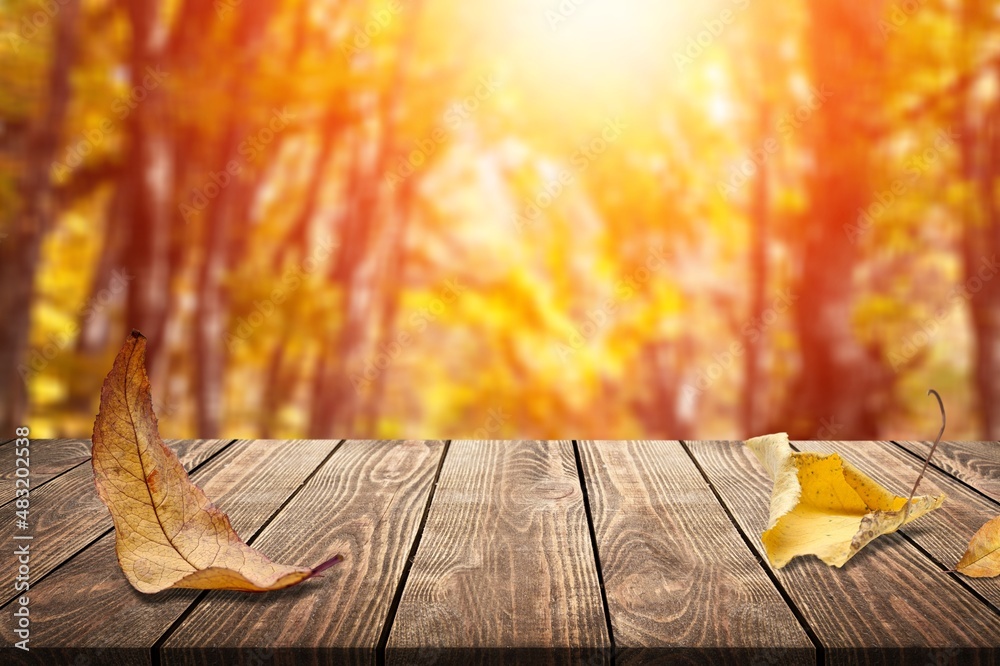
(937, 441)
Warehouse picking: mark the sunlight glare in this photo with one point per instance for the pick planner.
(595, 46)
(720, 109)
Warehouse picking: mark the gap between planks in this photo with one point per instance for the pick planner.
(965, 507)
(952, 451)
(66, 466)
(56, 633)
(390, 619)
(591, 527)
(45, 470)
(375, 491)
(588, 511)
(479, 478)
(849, 631)
(792, 606)
(5, 602)
(380, 651)
(158, 644)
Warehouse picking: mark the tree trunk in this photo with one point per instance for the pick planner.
(19, 253)
(149, 182)
(298, 234)
(211, 309)
(337, 403)
(331, 381)
(392, 285)
(208, 325)
(274, 388)
(754, 389)
(980, 246)
(979, 164)
(95, 325)
(662, 362)
(831, 383)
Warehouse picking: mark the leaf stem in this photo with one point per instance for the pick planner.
(320, 568)
(906, 511)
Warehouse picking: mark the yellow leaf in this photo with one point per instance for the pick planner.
(982, 559)
(824, 506)
(167, 532)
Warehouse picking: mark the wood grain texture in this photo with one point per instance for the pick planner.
(680, 582)
(888, 605)
(109, 621)
(943, 533)
(365, 503)
(505, 571)
(975, 463)
(48, 458)
(66, 514)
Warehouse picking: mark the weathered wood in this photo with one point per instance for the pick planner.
(66, 514)
(109, 621)
(505, 571)
(679, 579)
(365, 503)
(943, 533)
(888, 605)
(975, 463)
(48, 458)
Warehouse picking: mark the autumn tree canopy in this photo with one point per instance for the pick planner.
(553, 218)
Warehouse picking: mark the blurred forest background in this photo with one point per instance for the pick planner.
(504, 218)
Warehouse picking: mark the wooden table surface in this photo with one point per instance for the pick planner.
(509, 552)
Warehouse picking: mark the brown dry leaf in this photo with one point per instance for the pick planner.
(824, 506)
(167, 532)
(982, 559)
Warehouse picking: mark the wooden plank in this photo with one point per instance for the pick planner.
(505, 571)
(48, 458)
(888, 605)
(975, 463)
(943, 533)
(679, 579)
(66, 514)
(366, 503)
(108, 621)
